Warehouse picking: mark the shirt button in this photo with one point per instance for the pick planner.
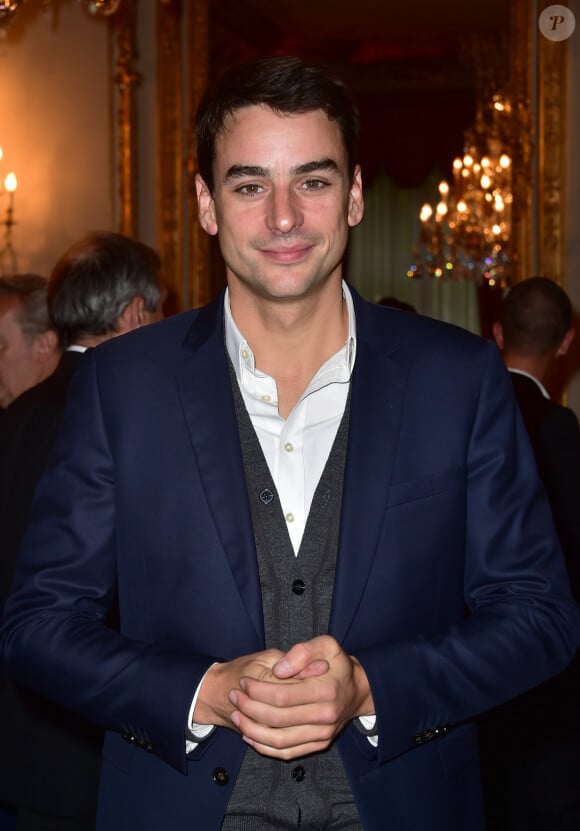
(290, 517)
(288, 447)
(245, 354)
(266, 399)
(298, 773)
(298, 587)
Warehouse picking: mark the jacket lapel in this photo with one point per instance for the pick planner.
(376, 407)
(207, 401)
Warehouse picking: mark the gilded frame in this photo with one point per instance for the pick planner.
(551, 155)
(182, 68)
(126, 80)
(539, 87)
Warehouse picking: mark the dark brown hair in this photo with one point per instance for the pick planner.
(535, 316)
(287, 85)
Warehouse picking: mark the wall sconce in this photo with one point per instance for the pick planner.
(8, 261)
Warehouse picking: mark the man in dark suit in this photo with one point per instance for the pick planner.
(103, 286)
(294, 494)
(531, 776)
(29, 349)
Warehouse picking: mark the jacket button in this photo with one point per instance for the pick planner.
(298, 587)
(298, 773)
(221, 776)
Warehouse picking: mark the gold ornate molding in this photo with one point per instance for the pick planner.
(551, 211)
(182, 39)
(170, 146)
(199, 287)
(520, 92)
(124, 25)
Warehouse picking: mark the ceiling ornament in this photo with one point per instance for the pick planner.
(8, 9)
(97, 8)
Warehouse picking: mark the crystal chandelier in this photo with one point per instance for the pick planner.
(466, 236)
(8, 8)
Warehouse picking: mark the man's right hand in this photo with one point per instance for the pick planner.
(213, 705)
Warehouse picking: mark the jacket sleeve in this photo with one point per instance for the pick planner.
(521, 624)
(56, 637)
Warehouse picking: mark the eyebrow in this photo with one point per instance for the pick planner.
(240, 171)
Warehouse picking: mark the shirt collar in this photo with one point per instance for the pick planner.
(338, 368)
(539, 384)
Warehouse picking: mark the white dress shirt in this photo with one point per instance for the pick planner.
(296, 448)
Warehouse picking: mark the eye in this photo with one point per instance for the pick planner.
(314, 184)
(251, 189)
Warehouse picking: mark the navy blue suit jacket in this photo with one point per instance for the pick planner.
(450, 586)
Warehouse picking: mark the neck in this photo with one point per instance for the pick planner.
(292, 339)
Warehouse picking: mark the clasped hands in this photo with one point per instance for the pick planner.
(287, 705)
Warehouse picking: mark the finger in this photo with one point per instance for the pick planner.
(287, 754)
(301, 655)
(280, 717)
(291, 693)
(286, 739)
(315, 668)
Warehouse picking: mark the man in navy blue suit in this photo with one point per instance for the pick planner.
(321, 519)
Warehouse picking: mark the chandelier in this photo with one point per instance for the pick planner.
(466, 235)
(8, 8)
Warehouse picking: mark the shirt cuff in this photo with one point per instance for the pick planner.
(367, 725)
(196, 733)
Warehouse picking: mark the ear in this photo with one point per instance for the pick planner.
(206, 207)
(46, 345)
(498, 333)
(566, 343)
(132, 315)
(356, 205)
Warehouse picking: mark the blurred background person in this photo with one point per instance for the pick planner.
(29, 349)
(104, 285)
(530, 747)
(534, 331)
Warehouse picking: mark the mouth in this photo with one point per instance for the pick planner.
(287, 254)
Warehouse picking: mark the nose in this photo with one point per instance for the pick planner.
(283, 212)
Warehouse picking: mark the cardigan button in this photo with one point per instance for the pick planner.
(266, 496)
(298, 773)
(298, 587)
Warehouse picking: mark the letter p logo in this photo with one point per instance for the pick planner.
(557, 23)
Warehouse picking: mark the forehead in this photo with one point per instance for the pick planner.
(10, 308)
(259, 135)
